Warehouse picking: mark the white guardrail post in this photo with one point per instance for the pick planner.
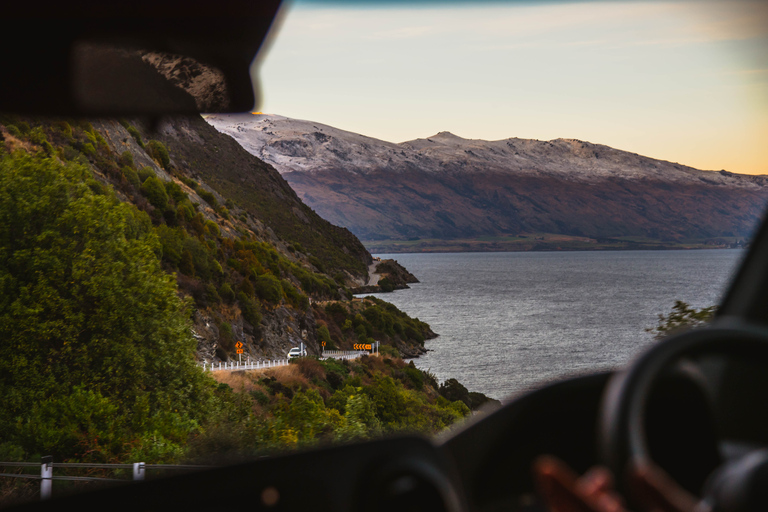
(138, 471)
(46, 477)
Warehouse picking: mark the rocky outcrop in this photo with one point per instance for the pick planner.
(386, 276)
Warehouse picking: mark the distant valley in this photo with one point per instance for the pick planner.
(445, 192)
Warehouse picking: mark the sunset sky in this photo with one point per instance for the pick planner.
(683, 81)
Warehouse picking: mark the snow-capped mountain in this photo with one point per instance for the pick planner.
(445, 186)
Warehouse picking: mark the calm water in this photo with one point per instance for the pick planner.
(510, 321)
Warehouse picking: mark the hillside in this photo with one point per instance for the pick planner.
(254, 259)
(132, 252)
(123, 266)
(445, 187)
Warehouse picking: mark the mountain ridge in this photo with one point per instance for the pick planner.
(448, 187)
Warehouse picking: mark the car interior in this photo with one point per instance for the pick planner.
(694, 403)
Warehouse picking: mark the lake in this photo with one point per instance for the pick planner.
(511, 321)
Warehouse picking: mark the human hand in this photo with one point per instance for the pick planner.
(565, 491)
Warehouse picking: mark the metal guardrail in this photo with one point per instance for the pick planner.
(263, 365)
(46, 472)
(344, 354)
(237, 365)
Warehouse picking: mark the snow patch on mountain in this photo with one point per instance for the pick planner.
(294, 145)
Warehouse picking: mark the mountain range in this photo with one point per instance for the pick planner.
(447, 187)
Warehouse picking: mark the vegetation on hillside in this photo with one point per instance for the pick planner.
(97, 359)
(682, 317)
(103, 261)
(370, 319)
(258, 189)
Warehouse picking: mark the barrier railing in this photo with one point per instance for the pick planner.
(262, 365)
(47, 466)
(238, 365)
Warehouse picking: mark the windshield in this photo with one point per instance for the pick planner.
(436, 208)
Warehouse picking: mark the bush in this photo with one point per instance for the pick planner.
(325, 336)
(146, 172)
(212, 228)
(175, 192)
(453, 390)
(250, 309)
(185, 211)
(157, 150)
(131, 177)
(389, 350)
(386, 285)
(135, 134)
(682, 317)
(88, 149)
(207, 197)
(154, 191)
(189, 182)
(226, 336)
(226, 293)
(268, 288)
(126, 158)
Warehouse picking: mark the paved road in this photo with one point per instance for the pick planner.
(373, 277)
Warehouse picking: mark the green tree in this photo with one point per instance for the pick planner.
(682, 317)
(154, 191)
(89, 322)
(157, 150)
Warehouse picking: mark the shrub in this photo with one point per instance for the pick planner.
(131, 176)
(88, 149)
(185, 211)
(682, 317)
(157, 150)
(250, 310)
(208, 197)
(189, 182)
(212, 228)
(226, 293)
(324, 335)
(226, 336)
(172, 243)
(453, 390)
(23, 126)
(268, 288)
(198, 223)
(37, 135)
(63, 127)
(146, 172)
(13, 130)
(212, 295)
(247, 288)
(126, 158)
(260, 397)
(386, 285)
(187, 264)
(389, 350)
(154, 191)
(175, 192)
(135, 134)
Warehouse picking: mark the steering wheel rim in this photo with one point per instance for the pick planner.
(622, 437)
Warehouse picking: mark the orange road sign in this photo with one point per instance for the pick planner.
(239, 344)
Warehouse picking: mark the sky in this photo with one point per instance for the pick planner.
(683, 81)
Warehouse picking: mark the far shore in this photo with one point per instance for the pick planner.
(547, 242)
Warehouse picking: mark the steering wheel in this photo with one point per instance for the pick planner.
(739, 484)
